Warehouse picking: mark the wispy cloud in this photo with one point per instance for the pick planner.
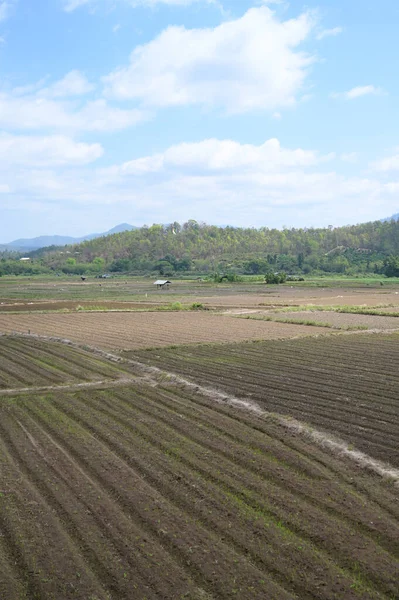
(358, 92)
(63, 106)
(6, 8)
(71, 5)
(329, 33)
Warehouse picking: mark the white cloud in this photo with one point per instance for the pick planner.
(357, 92)
(71, 5)
(223, 156)
(56, 150)
(220, 181)
(5, 9)
(73, 84)
(329, 33)
(390, 163)
(36, 111)
(249, 63)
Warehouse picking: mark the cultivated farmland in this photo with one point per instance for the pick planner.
(151, 490)
(340, 319)
(143, 330)
(344, 384)
(29, 362)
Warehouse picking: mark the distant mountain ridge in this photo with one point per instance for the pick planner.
(394, 217)
(60, 240)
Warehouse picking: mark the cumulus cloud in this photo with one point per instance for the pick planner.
(253, 62)
(223, 156)
(218, 180)
(389, 163)
(73, 84)
(35, 151)
(357, 92)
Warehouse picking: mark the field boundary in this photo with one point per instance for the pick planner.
(325, 440)
(99, 384)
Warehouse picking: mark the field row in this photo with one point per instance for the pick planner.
(151, 492)
(346, 384)
(143, 330)
(28, 361)
(342, 319)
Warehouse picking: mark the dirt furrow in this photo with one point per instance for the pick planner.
(255, 499)
(207, 557)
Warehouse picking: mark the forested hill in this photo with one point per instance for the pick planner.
(202, 248)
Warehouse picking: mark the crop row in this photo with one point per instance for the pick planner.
(149, 492)
(143, 330)
(344, 384)
(29, 361)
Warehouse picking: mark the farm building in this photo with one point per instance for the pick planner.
(162, 284)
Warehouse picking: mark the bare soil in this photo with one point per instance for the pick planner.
(154, 491)
(143, 330)
(346, 385)
(343, 319)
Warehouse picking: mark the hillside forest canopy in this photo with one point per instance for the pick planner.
(202, 249)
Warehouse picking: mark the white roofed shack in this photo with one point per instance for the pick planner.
(162, 283)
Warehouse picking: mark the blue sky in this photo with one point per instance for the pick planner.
(262, 113)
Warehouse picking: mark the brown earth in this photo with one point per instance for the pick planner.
(69, 305)
(152, 491)
(28, 362)
(342, 319)
(343, 384)
(142, 330)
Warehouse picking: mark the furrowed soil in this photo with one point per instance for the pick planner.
(150, 490)
(29, 362)
(341, 319)
(143, 330)
(342, 384)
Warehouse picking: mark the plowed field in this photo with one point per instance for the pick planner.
(346, 384)
(151, 491)
(143, 330)
(342, 319)
(29, 362)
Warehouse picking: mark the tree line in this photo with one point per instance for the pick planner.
(195, 247)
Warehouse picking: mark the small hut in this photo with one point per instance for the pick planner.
(162, 284)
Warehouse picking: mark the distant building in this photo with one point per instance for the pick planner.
(25, 258)
(162, 284)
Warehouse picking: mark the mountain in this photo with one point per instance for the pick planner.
(60, 240)
(394, 217)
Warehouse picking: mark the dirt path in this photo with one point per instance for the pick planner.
(101, 384)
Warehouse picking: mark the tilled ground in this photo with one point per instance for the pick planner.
(341, 319)
(343, 384)
(152, 491)
(148, 329)
(29, 362)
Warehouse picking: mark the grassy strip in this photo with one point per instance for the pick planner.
(305, 322)
(172, 307)
(358, 310)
